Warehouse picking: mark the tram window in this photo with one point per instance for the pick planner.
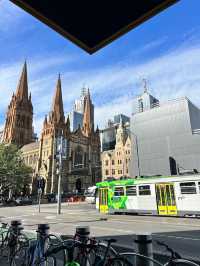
(119, 191)
(188, 188)
(144, 190)
(159, 202)
(168, 195)
(172, 195)
(131, 191)
(163, 199)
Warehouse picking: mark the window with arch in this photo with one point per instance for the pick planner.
(78, 160)
(31, 159)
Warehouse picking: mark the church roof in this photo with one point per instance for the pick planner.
(31, 146)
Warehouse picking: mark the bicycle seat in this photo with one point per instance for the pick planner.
(110, 240)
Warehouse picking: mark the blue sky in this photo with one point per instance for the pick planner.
(165, 50)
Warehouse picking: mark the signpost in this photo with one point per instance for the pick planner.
(40, 186)
(39, 198)
(61, 154)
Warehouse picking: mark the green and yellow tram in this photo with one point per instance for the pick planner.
(163, 195)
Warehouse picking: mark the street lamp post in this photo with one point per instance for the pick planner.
(137, 150)
(60, 173)
(53, 163)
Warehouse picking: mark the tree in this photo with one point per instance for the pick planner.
(14, 174)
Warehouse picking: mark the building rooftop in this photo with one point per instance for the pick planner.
(31, 146)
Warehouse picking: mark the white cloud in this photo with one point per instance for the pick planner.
(174, 74)
(10, 15)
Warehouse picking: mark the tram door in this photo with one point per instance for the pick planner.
(103, 200)
(166, 202)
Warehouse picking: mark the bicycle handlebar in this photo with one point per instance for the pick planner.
(68, 246)
(174, 254)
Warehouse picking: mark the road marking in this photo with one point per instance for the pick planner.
(50, 217)
(150, 221)
(112, 229)
(16, 217)
(177, 237)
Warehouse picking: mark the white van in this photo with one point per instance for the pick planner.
(90, 195)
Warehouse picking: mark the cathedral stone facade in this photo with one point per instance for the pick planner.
(81, 164)
(18, 127)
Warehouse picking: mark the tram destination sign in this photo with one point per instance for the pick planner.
(93, 24)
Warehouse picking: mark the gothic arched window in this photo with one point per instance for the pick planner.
(30, 159)
(27, 122)
(78, 161)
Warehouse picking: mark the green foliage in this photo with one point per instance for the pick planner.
(14, 174)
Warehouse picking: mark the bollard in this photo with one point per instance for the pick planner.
(16, 226)
(15, 223)
(82, 233)
(43, 230)
(144, 247)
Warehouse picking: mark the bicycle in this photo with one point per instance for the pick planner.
(99, 249)
(14, 244)
(175, 258)
(69, 247)
(3, 232)
(38, 247)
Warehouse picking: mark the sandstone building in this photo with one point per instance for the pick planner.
(116, 162)
(81, 164)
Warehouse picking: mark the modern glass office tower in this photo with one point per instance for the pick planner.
(108, 134)
(76, 115)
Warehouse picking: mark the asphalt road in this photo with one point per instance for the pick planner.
(182, 234)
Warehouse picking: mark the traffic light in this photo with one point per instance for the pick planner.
(41, 182)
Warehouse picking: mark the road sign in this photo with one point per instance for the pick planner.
(41, 183)
(62, 147)
(93, 24)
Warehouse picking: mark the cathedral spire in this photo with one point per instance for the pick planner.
(68, 123)
(57, 107)
(88, 117)
(22, 89)
(19, 121)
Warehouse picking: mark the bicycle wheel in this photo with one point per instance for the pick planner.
(97, 254)
(100, 250)
(137, 259)
(181, 262)
(4, 250)
(118, 261)
(51, 242)
(19, 254)
(2, 242)
(49, 261)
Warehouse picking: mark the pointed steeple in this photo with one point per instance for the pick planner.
(68, 123)
(19, 130)
(97, 130)
(88, 123)
(57, 107)
(22, 89)
(45, 120)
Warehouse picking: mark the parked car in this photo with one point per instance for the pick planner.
(51, 197)
(23, 201)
